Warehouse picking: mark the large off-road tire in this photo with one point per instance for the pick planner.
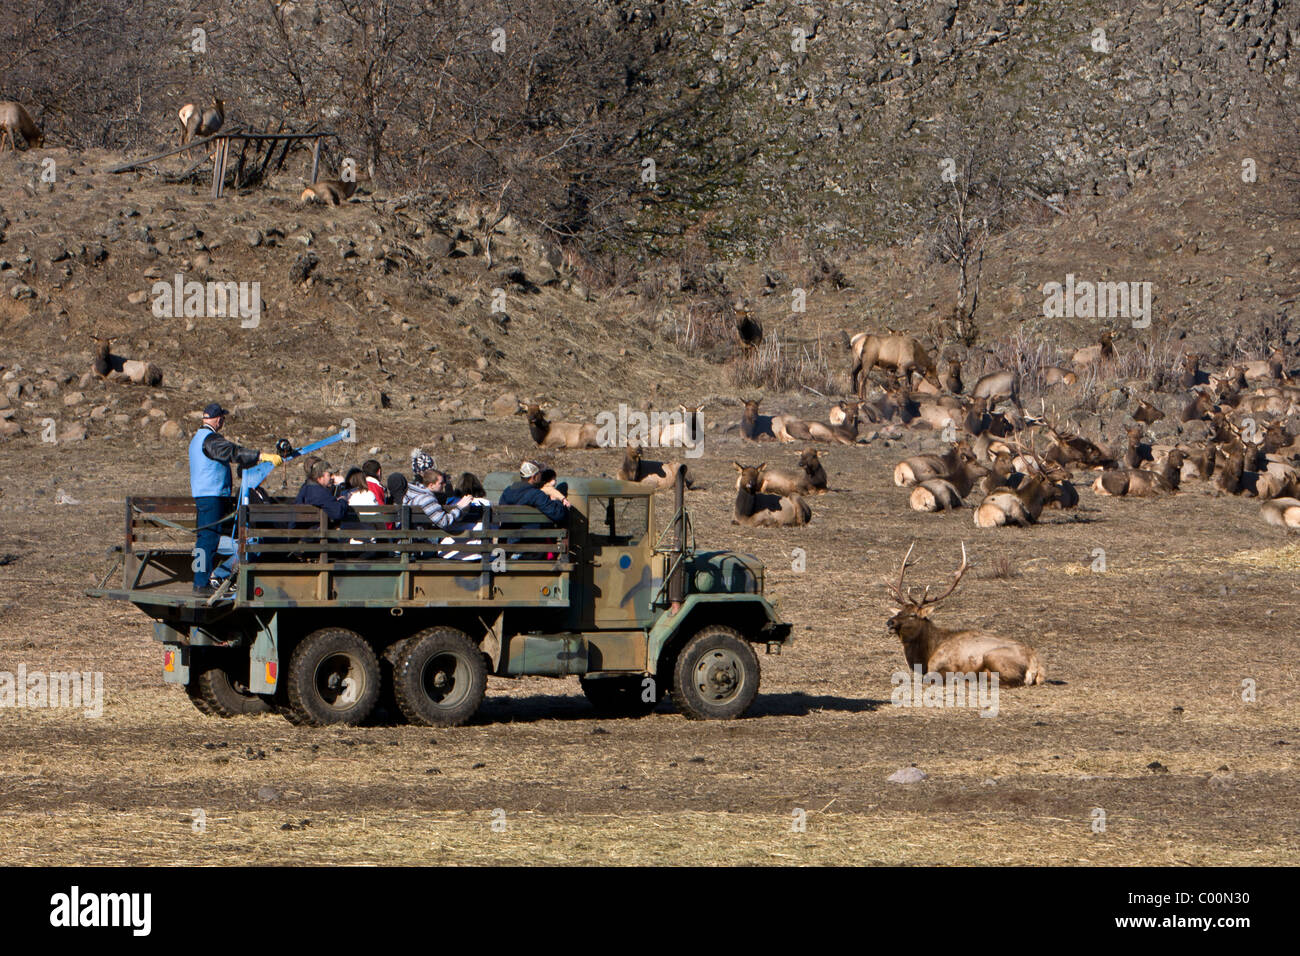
(218, 692)
(716, 677)
(621, 696)
(333, 678)
(439, 678)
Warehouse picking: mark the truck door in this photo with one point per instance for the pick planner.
(620, 584)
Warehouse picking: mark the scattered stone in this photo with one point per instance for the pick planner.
(72, 432)
(21, 291)
(268, 794)
(1156, 766)
(73, 398)
(137, 297)
(171, 430)
(907, 775)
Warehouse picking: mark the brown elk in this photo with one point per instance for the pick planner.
(791, 429)
(1141, 483)
(686, 433)
(758, 510)
(919, 468)
(935, 494)
(1272, 368)
(559, 434)
(808, 479)
(996, 386)
(897, 353)
(1135, 450)
(1192, 375)
(756, 427)
(941, 651)
(1146, 413)
(1070, 449)
(1055, 375)
(196, 122)
(1282, 512)
(15, 119)
(653, 474)
(1200, 407)
(1103, 351)
(334, 192)
(114, 367)
(1019, 506)
(952, 378)
(747, 327)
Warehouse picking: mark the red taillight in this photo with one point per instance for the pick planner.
(169, 661)
(271, 668)
(257, 592)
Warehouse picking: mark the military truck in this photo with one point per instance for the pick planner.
(325, 624)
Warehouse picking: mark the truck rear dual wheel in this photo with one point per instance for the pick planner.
(333, 678)
(716, 676)
(219, 692)
(439, 677)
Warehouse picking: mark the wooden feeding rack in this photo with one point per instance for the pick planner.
(220, 153)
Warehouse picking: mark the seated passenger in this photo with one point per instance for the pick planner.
(536, 489)
(477, 515)
(423, 493)
(317, 491)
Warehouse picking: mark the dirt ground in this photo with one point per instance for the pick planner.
(1139, 750)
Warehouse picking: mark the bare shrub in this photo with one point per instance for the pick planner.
(779, 366)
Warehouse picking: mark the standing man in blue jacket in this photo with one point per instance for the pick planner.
(210, 486)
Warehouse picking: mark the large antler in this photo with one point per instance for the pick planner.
(897, 589)
(956, 579)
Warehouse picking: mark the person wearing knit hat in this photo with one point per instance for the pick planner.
(420, 463)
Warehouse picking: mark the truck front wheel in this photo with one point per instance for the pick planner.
(333, 678)
(439, 678)
(716, 677)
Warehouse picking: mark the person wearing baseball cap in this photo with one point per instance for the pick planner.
(532, 489)
(211, 487)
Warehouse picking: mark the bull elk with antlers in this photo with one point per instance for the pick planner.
(943, 651)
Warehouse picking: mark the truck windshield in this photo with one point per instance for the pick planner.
(618, 520)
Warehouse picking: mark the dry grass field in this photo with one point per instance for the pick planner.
(1142, 716)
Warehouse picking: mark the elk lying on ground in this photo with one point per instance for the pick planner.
(1103, 351)
(558, 434)
(896, 353)
(919, 468)
(335, 192)
(653, 474)
(758, 510)
(1141, 483)
(791, 429)
(1282, 512)
(941, 651)
(1055, 375)
(756, 427)
(935, 494)
(107, 365)
(952, 378)
(686, 433)
(1200, 406)
(808, 479)
(1271, 369)
(1146, 413)
(1071, 449)
(15, 119)
(1191, 375)
(1020, 506)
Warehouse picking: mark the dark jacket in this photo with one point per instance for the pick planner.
(222, 449)
(522, 493)
(313, 494)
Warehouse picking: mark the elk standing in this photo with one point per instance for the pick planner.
(15, 119)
